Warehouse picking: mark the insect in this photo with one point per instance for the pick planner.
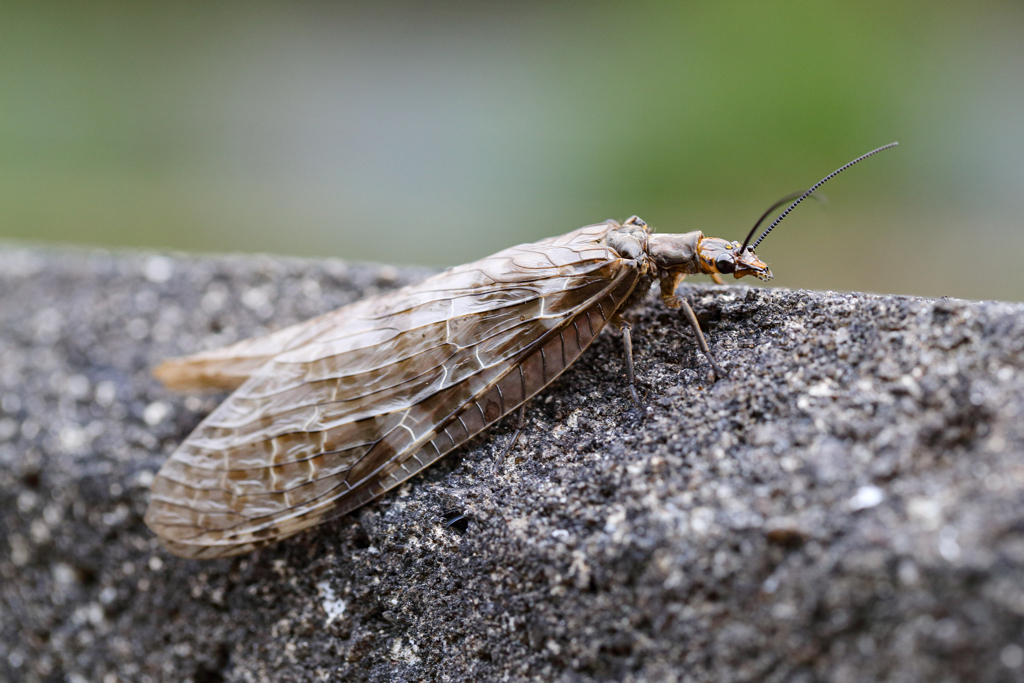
(330, 413)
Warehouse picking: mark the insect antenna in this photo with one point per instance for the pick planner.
(806, 194)
(777, 204)
(788, 198)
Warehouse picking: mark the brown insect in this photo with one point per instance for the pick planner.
(331, 413)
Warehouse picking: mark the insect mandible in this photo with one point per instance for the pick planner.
(330, 413)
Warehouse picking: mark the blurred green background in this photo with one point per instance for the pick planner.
(438, 133)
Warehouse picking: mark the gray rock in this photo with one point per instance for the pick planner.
(848, 505)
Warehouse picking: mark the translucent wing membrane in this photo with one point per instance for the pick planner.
(341, 408)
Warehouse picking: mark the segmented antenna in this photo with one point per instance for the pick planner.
(806, 194)
(787, 198)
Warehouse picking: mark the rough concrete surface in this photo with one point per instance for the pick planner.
(848, 505)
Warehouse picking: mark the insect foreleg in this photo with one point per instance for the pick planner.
(673, 300)
(701, 342)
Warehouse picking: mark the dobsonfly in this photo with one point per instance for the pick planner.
(330, 413)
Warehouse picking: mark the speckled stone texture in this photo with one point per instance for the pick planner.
(848, 505)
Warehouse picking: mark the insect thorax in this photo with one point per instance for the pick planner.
(631, 241)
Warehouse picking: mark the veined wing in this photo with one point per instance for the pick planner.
(419, 304)
(361, 399)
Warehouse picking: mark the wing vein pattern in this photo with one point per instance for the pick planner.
(348, 405)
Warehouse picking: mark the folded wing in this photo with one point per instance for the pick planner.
(350, 404)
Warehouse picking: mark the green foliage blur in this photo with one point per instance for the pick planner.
(437, 133)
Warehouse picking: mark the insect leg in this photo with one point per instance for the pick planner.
(717, 278)
(701, 342)
(628, 341)
(515, 437)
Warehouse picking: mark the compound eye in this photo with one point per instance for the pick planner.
(724, 263)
